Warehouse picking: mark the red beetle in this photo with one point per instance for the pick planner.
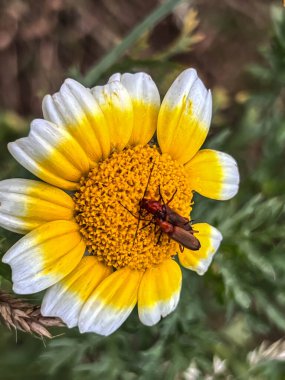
(171, 223)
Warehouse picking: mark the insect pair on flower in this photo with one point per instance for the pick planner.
(175, 226)
(92, 153)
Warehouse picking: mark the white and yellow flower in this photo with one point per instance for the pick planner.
(82, 238)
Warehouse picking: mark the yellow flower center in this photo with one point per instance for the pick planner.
(108, 207)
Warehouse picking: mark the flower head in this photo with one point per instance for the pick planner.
(90, 240)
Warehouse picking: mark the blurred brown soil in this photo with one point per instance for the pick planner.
(40, 41)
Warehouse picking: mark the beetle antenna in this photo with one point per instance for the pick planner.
(145, 190)
(150, 173)
(160, 195)
(173, 195)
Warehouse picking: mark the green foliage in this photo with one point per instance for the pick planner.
(239, 303)
(110, 59)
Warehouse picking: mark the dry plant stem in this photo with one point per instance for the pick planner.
(267, 351)
(21, 315)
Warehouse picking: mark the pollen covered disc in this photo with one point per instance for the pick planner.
(107, 207)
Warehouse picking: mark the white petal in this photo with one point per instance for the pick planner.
(52, 154)
(146, 102)
(216, 237)
(44, 256)
(115, 78)
(184, 117)
(66, 298)
(159, 292)
(27, 204)
(210, 239)
(75, 109)
(111, 303)
(213, 174)
(117, 108)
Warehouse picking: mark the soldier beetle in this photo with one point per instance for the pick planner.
(169, 221)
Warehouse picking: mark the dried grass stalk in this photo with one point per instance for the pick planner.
(267, 351)
(21, 315)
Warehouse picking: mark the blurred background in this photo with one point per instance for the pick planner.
(230, 323)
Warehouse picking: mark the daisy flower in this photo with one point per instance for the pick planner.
(83, 240)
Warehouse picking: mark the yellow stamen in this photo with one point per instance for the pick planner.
(107, 207)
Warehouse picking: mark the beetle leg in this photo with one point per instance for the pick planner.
(159, 238)
(149, 222)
